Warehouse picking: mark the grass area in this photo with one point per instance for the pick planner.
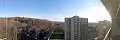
(58, 33)
(56, 39)
(57, 36)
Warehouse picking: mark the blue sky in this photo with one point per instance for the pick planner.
(55, 10)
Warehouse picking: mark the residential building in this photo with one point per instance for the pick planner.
(75, 28)
(103, 27)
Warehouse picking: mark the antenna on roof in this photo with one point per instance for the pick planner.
(75, 14)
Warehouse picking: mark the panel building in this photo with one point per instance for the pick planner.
(75, 28)
(103, 27)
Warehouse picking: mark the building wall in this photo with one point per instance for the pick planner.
(107, 26)
(103, 27)
(67, 29)
(75, 28)
(100, 29)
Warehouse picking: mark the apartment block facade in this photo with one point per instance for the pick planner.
(75, 28)
(103, 27)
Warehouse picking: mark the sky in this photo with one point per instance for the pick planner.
(54, 10)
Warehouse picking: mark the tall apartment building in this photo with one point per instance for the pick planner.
(103, 27)
(75, 28)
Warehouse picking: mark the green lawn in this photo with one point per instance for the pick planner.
(57, 36)
(56, 39)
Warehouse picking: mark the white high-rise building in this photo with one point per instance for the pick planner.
(75, 28)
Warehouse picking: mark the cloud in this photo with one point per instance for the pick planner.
(94, 13)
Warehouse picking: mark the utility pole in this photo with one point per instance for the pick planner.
(6, 28)
(6, 18)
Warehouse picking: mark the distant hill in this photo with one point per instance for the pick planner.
(11, 26)
(37, 24)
